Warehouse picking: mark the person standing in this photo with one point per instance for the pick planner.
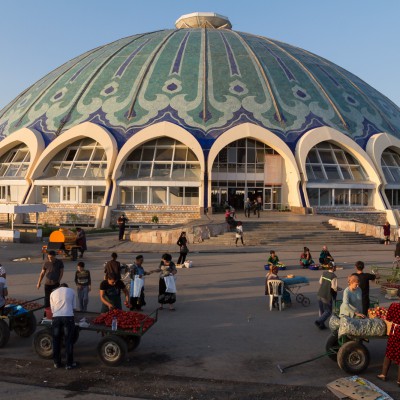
(326, 295)
(62, 302)
(112, 267)
(247, 208)
(83, 285)
(259, 205)
(393, 343)
(3, 289)
(81, 241)
(121, 221)
(110, 293)
(53, 270)
(167, 268)
(363, 283)
(183, 249)
(136, 303)
(386, 233)
(239, 233)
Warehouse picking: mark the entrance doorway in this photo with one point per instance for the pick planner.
(236, 198)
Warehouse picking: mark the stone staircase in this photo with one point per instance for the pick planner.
(292, 234)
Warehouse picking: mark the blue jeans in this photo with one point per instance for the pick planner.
(83, 297)
(63, 327)
(325, 310)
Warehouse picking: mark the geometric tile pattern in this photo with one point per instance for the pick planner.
(206, 81)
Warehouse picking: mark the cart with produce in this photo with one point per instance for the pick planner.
(19, 317)
(346, 343)
(114, 343)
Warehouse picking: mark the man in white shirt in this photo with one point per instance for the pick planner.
(62, 302)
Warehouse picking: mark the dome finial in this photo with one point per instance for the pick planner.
(203, 20)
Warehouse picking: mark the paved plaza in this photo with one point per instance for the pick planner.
(222, 329)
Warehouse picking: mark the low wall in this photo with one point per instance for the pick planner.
(362, 228)
(195, 234)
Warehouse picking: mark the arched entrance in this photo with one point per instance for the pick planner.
(247, 168)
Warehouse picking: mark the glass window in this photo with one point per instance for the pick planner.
(70, 154)
(126, 195)
(164, 154)
(84, 154)
(178, 171)
(162, 170)
(98, 194)
(341, 197)
(14, 163)
(327, 157)
(318, 172)
(191, 196)
(140, 195)
(145, 170)
(346, 172)
(158, 195)
(69, 194)
(325, 197)
(54, 194)
(232, 155)
(332, 172)
(313, 157)
(78, 170)
(357, 173)
(176, 196)
(313, 195)
(180, 154)
(148, 154)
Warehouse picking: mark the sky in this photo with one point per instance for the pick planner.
(38, 36)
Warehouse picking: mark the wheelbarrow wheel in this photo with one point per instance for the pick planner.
(332, 344)
(4, 333)
(299, 298)
(112, 350)
(306, 302)
(353, 357)
(24, 325)
(43, 343)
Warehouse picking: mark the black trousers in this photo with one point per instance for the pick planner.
(63, 327)
(121, 232)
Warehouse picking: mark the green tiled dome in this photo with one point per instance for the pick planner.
(206, 81)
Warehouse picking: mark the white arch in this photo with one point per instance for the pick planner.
(376, 145)
(323, 134)
(248, 130)
(33, 141)
(162, 129)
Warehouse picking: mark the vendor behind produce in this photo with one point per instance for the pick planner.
(110, 293)
(352, 299)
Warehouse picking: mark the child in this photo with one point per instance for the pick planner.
(239, 233)
(83, 285)
(273, 259)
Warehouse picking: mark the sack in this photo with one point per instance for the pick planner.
(188, 264)
(362, 327)
(238, 236)
(184, 249)
(136, 286)
(170, 284)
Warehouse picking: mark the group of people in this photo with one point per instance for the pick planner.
(61, 299)
(355, 304)
(254, 206)
(325, 258)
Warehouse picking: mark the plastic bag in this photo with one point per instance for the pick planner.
(136, 286)
(362, 327)
(170, 284)
(334, 324)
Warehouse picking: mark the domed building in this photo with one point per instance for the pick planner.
(178, 122)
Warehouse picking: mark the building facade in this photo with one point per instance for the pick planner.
(179, 122)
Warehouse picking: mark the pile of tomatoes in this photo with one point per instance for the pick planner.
(378, 312)
(127, 320)
(27, 306)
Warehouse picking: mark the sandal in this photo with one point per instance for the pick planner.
(381, 377)
(161, 308)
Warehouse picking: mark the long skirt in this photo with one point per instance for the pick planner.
(163, 296)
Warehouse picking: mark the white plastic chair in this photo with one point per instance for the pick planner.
(275, 286)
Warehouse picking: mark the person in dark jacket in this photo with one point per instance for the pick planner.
(326, 295)
(183, 249)
(121, 221)
(81, 240)
(397, 251)
(386, 233)
(325, 256)
(363, 284)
